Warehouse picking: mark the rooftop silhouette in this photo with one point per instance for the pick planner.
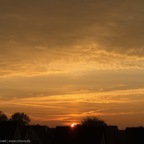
(12, 131)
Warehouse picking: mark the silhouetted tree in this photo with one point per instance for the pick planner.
(92, 121)
(22, 118)
(3, 116)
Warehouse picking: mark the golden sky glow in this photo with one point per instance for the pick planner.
(63, 60)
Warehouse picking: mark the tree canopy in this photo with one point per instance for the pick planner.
(92, 121)
(3, 116)
(22, 118)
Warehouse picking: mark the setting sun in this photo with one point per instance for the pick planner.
(73, 125)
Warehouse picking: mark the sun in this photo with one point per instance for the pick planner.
(73, 125)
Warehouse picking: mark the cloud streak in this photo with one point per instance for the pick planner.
(52, 37)
(104, 104)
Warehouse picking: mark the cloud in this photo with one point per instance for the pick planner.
(70, 83)
(62, 23)
(52, 37)
(78, 58)
(108, 105)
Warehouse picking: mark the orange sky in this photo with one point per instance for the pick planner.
(63, 60)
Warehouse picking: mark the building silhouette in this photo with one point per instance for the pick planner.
(12, 132)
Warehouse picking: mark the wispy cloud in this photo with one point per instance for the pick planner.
(81, 58)
(58, 37)
(102, 104)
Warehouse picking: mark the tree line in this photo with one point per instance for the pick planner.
(20, 117)
(23, 119)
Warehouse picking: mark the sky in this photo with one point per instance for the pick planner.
(62, 60)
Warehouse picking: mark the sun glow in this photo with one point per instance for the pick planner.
(73, 125)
